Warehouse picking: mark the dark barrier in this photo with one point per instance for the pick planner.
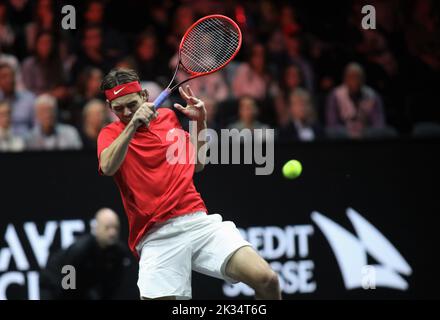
(361, 221)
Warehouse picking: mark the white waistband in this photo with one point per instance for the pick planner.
(158, 225)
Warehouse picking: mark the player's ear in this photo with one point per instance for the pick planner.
(145, 95)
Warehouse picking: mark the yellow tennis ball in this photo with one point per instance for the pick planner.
(292, 169)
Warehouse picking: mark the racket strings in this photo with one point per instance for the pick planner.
(204, 48)
(219, 43)
(209, 45)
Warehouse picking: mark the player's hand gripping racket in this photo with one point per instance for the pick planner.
(206, 47)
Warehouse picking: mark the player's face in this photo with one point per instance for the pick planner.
(125, 107)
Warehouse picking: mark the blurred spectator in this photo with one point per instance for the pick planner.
(126, 63)
(113, 42)
(44, 20)
(20, 10)
(211, 113)
(248, 115)
(353, 106)
(43, 71)
(159, 16)
(213, 85)
(422, 71)
(47, 133)
(67, 56)
(302, 124)
(423, 27)
(7, 36)
(19, 14)
(281, 110)
(182, 20)
(289, 81)
(294, 55)
(326, 63)
(276, 46)
(100, 261)
(149, 60)
(91, 53)
(94, 119)
(94, 12)
(288, 21)
(267, 19)
(290, 42)
(87, 89)
(15, 64)
(8, 141)
(276, 51)
(375, 48)
(21, 101)
(251, 78)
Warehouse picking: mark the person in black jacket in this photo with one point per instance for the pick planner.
(302, 125)
(99, 260)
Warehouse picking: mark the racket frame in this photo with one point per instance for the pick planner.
(165, 93)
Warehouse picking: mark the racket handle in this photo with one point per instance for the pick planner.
(161, 98)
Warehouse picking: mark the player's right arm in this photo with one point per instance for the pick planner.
(113, 156)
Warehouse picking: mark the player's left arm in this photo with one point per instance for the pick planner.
(195, 111)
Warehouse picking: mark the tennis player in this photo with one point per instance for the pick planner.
(169, 228)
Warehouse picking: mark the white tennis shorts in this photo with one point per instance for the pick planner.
(172, 249)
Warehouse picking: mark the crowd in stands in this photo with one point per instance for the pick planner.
(306, 68)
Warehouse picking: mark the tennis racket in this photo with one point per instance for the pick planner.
(206, 47)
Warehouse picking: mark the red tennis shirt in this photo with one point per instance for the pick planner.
(152, 188)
